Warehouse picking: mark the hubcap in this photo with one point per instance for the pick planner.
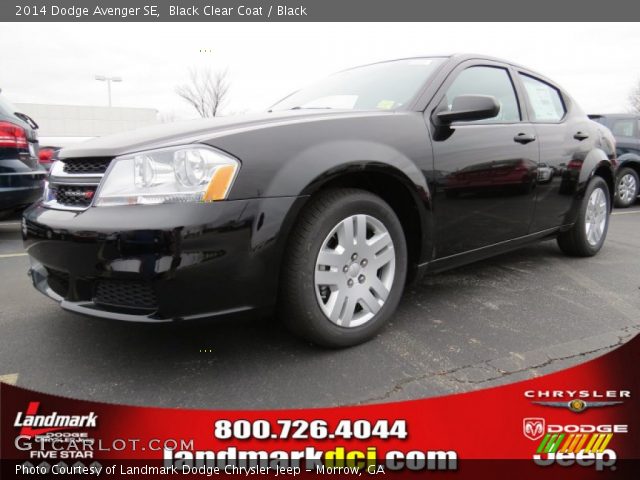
(627, 188)
(354, 270)
(596, 216)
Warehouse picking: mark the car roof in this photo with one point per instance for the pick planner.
(457, 56)
(462, 57)
(614, 115)
(478, 56)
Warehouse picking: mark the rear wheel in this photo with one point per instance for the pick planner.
(627, 187)
(587, 235)
(345, 268)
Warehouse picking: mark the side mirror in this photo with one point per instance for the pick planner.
(467, 108)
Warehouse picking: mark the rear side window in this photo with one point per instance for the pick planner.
(623, 127)
(545, 100)
(493, 81)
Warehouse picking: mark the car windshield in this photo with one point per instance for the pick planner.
(381, 86)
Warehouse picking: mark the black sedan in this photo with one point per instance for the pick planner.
(21, 176)
(327, 204)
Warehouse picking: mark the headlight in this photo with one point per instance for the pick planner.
(169, 175)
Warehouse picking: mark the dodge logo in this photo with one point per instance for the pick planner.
(87, 194)
(533, 428)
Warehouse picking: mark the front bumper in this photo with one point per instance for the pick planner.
(159, 263)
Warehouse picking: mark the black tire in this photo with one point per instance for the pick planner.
(299, 307)
(624, 201)
(574, 242)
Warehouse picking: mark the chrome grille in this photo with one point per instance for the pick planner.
(73, 182)
(97, 165)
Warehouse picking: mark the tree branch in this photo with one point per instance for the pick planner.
(205, 91)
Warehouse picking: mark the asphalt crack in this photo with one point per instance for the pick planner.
(623, 335)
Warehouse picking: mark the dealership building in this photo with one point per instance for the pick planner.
(63, 125)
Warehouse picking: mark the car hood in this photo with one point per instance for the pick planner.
(193, 131)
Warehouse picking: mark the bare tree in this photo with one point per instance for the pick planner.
(206, 91)
(634, 98)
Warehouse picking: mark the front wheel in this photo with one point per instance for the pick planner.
(344, 270)
(587, 235)
(627, 187)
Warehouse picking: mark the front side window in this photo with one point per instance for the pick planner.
(492, 81)
(545, 100)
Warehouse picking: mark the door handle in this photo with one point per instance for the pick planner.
(581, 136)
(524, 138)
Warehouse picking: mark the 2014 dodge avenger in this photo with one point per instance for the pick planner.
(328, 203)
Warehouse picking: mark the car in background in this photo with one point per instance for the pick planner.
(626, 128)
(21, 175)
(47, 155)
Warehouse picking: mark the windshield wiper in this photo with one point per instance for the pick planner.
(303, 108)
(311, 108)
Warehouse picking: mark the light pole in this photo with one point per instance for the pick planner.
(102, 78)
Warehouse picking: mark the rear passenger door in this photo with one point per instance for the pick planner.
(564, 141)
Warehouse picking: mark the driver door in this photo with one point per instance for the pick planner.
(486, 169)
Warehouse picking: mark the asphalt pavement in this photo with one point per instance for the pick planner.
(512, 317)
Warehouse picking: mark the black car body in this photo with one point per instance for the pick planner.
(21, 176)
(626, 130)
(462, 189)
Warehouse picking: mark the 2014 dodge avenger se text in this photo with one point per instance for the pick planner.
(328, 203)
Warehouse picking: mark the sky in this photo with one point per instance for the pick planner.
(597, 63)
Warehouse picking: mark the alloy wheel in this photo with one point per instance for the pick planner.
(596, 216)
(627, 188)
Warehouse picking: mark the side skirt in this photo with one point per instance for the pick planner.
(482, 253)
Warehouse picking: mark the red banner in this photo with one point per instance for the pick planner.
(578, 423)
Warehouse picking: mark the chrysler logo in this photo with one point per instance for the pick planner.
(577, 405)
(533, 428)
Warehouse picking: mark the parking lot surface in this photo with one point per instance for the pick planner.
(509, 318)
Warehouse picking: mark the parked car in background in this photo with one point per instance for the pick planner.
(328, 203)
(48, 155)
(626, 129)
(21, 175)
